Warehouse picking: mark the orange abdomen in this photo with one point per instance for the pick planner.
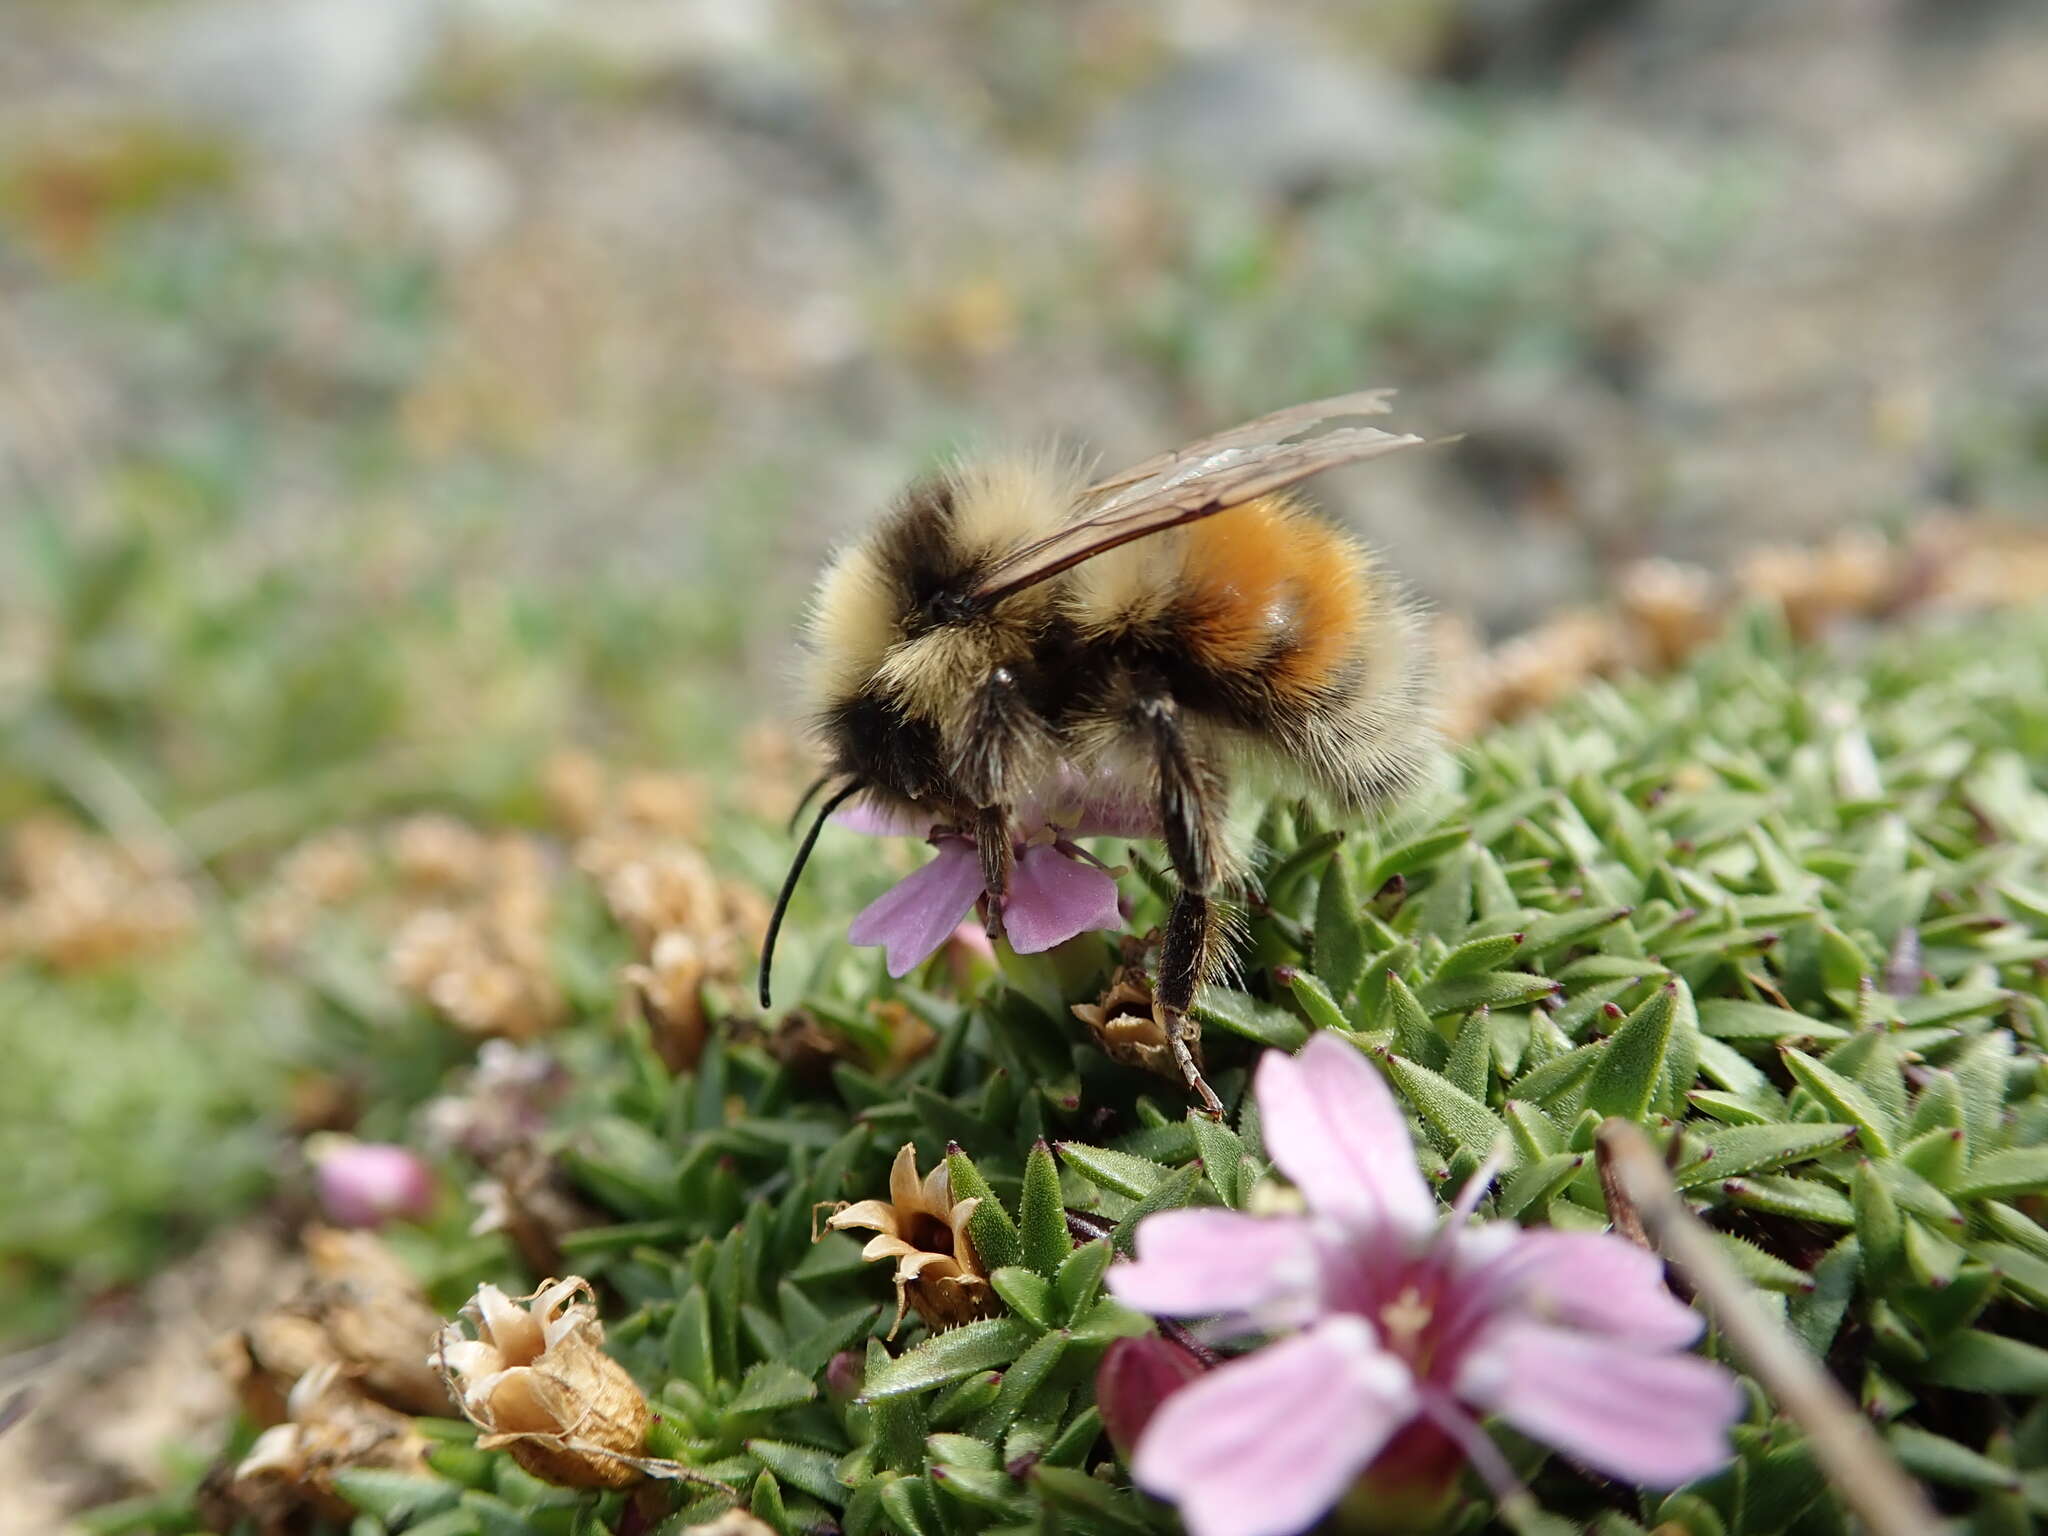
(1271, 590)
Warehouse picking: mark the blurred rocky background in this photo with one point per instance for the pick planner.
(574, 294)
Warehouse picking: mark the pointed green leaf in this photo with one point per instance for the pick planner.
(1404, 1016)
(1759, 1149)
(1817, 1316)
(1561, 930)
(899, 1499)
(1765, 1271)
(1727, 1018)
(1974, 1361)
(2019, 1172)
(946, 1357)
(771, 1385)
(995, 1236)
(1020, 1380)
(1026, 1293)
(1104, 1507)
(1800, 1199)
(960, 1403)
(1535, 1182)
(1177, 1190)
(1418, 853)
(1456, 1116)
(1879, 1227)
(801, 1466)
(766, 1504)
(1315, 1000)
(1534, 1131)
(1842, 1099)
(1118, 1172)
(1222, 1156)
(689, 1341)
(1340, 946)
(1631, 1067)
(1940, 1156)
(1940, 1460)
(1471, 1056)
(1041, 1214)
(1558, 1076)
(1226, 1009)
(1477, 956)
(1494, 989)
(1075, 1441)
(992, 1491)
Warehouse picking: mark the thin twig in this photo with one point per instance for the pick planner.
(1888, 1502)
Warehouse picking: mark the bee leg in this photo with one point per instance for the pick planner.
(1190, 791)
(998, 857)
(1189, 936)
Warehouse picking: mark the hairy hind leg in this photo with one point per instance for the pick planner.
(1191, 798)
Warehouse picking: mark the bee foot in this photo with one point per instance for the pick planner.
(1181, 1034)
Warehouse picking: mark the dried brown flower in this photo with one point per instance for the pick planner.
(924, 1229)
(486, 967)
(537, 1381)
(357, 1311)
(1122, 1022)
(82, 901)
(264, 1361)
(527, 1198)
(669, 993)
(375, 1316)
(665, 804)
(434, 853)
(291, 1468)
(1671, 608)
(1855, 575)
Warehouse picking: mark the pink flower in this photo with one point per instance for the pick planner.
(367, 1183)
(1397, 1332)
(1057, 890)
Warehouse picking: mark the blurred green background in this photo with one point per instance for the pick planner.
(394, 391)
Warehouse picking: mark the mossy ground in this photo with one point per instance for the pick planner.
(1787, 908)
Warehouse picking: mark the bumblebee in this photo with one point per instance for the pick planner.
(1187, 637)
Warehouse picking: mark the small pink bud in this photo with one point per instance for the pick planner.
(843, 1376)
(1135, 1377)
(969, 953)
(367, 1183)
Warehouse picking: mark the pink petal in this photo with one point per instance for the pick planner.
(919, 913)
(1053, 898)
(1332, 1126)
(1591, 1280)
(1208, 1263)
(1650, 1418)
(865, 815)
(1264, 1445)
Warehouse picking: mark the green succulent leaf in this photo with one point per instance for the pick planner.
(946, 1357)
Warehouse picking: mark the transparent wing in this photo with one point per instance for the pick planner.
(1201, 479)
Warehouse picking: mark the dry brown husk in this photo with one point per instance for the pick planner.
(924, 1229)
(536, 1381)
(329, 1428)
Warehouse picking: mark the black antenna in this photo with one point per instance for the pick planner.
(804, 800)
(796, 869)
